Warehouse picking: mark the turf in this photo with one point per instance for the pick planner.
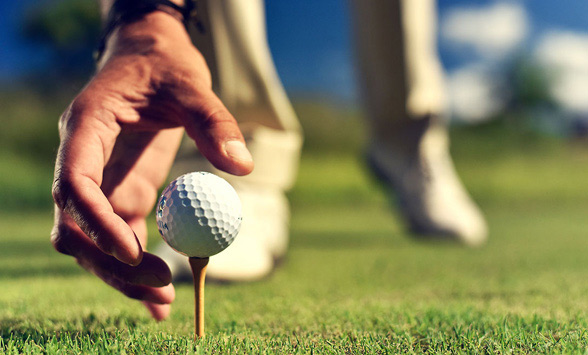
(354, 281)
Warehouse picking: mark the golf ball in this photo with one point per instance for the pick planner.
(199, 214)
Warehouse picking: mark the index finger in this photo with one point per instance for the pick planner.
(87, 139)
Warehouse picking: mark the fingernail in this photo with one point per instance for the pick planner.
(238, 151)
(126, 258)
(140, 247)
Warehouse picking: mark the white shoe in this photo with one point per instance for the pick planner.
(262, 241)
(431, 195)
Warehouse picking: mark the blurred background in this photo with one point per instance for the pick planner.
(520, 65)
(517, 77)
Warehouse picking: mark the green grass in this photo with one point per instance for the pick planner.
(354, 280)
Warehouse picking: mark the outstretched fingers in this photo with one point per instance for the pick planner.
(149, 281)
(86, 144)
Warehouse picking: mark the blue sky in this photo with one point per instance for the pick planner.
(310, 39)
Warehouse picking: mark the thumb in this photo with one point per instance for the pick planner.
(217, 135)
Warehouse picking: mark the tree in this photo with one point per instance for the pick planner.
(70, 30)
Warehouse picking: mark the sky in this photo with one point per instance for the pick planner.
(310, 42)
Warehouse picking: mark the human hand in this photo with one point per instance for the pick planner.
(118, 140)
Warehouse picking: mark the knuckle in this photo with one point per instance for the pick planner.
(63, 122)
(80, 104)
(70, 116)
(61, 239)
(210, 120)
(92, 104)
(61, 189)
(185, 77)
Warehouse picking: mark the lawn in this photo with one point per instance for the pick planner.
(354, 281)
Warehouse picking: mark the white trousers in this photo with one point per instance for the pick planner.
(400, 77)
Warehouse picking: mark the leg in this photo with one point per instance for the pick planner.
(235, 46)
(402, 86)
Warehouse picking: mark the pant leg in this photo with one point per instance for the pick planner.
(234, 44)
(402, 85)
(400, 74)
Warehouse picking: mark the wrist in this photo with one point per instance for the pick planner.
(154, 31)
(106, 6)
(143, 18)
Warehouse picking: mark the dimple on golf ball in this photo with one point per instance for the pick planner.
(199, 214)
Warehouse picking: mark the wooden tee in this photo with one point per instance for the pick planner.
(198, 266)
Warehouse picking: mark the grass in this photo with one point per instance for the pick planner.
(355, 281)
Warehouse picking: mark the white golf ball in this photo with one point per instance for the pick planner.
(199, 214)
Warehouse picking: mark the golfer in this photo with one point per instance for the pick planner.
(168, 68)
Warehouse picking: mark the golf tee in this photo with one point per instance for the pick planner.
(198, 266)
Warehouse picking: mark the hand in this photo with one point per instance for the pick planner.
(118, 140)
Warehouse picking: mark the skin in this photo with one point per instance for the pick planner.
(119, 137)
